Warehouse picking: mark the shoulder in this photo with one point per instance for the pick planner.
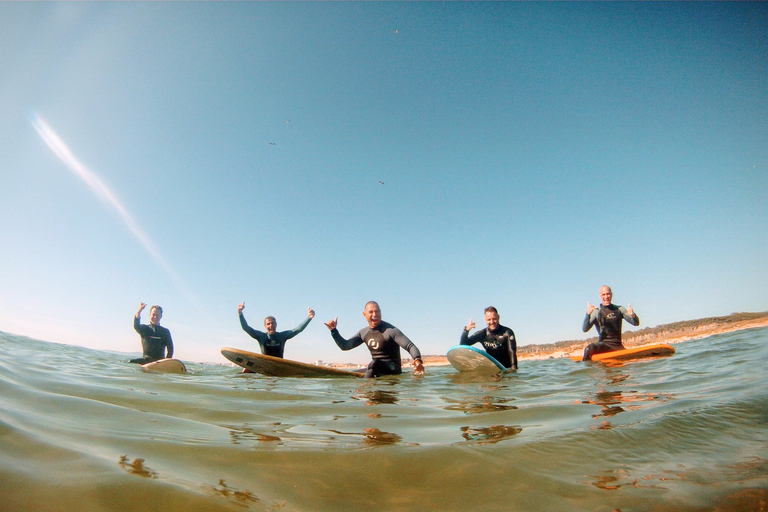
(506, 330)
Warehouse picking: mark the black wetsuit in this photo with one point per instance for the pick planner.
(384, 342)
(608, 321)
(499, 343)
(272, 344)
(154, 342)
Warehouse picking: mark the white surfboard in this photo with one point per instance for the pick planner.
(470, 359)
(166, 365)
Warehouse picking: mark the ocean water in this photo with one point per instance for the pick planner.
(82, 430)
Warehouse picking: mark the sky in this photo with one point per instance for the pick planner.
(437, 157)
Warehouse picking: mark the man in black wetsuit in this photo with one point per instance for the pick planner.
(607, 318)
(272, 343)
(155, 340)
(498, 341)
(384, 341)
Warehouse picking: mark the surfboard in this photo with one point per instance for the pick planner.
(278, 367)
(166, 365)
(466, 358)
(631, 353)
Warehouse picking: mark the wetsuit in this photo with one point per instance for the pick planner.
(608, 321)
(154, 342)
(272, 344)
(500, 344)
(384, 342)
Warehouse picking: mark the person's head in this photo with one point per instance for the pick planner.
(491, 318)
(372, 314)
(155, 314)
(270, 325)
(606, 295)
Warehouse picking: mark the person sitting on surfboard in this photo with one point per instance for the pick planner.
(383, 339)
(156, 342)
(272, 343)
(607, 319)
(498, 341)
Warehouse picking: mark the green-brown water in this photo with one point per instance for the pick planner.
(82, 430)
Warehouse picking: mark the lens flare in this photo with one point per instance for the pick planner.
(106, 196)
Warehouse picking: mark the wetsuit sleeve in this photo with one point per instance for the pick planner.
(296, 330)
(253, 333)
(169, 345)
(344, 344)
(137, 326)
(513, 348)
(402, 340)
(632, 319)
(466, 339)
(590, 320)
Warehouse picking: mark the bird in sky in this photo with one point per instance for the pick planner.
(381, 182)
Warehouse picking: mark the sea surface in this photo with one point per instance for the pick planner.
(82, 430)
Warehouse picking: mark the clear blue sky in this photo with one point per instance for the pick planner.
(530, 153)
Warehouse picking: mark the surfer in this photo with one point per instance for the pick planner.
(498, 341)
(155, 340)
(607, 319)
(272, 343)
(383, 339)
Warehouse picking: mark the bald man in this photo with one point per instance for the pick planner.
(383, 340)
(607, 319)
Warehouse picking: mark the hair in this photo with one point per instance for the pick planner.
(270, 317)
(490, 309)
(372, 302)
(159, 308)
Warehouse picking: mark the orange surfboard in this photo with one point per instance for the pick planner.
(631, 353)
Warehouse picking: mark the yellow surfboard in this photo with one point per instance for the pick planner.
(278, 367)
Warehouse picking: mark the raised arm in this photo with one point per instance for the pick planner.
(253, 333)
(591, 318)
(629, 315)
(342, 343)
(303, 325)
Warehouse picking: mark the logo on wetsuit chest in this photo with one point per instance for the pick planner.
(372, 343)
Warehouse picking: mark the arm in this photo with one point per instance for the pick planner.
(344, 344)
(253, 333)
(137, 317)
(296, 330)
(407, 345)
(169, 345)
(513, 349)
(629, 315)
(590, 319)
(464, 340)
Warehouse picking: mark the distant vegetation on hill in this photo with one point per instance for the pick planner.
(649, 335)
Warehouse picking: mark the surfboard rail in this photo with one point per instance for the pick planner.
(167, 365)
(279, 367)
(659, 350)
(466, 358)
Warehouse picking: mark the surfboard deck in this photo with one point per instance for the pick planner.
(166, 365)
(466, 358)
(278, 367)
(631, 353)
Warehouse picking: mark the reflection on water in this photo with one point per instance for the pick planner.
(471, 405)
(489, 435)
(376, 396)
(136, 467)
(235, 495)
(244, 434)
(374, 436)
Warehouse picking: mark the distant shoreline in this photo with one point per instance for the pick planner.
(667, 333)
